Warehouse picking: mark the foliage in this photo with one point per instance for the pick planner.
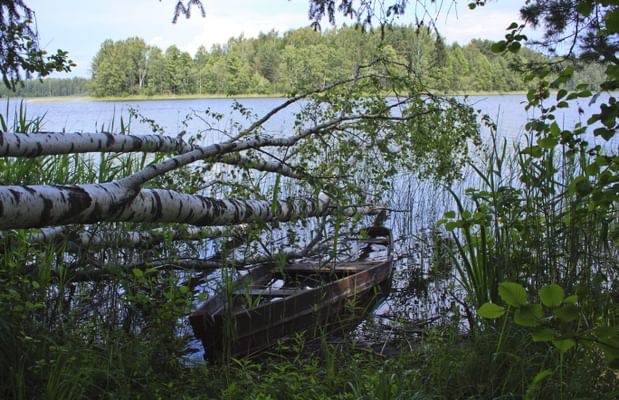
(591, 24)
(127, 305)
(558, 320)
(48, 87)
(19, 47)
(541, 223)
(555, 228)
(302, 59)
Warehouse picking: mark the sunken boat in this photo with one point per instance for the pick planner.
(272, 302)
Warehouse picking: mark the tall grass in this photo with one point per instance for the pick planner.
(522, 222)
(122, 335)
(67, 338)
(526, 222)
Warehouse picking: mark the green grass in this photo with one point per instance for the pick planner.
(120, 338)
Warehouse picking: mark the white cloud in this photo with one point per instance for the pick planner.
(159, 41)
(475, 25)
(218, 29)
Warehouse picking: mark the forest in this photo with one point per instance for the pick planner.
(505, 254)
(275, 64)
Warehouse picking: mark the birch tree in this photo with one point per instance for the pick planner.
(337, 125)
(116, 233)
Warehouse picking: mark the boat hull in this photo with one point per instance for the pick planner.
(336, 305)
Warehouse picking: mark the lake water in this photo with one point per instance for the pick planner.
(424, 201)
(89, 116)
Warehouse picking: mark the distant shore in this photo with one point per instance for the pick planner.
(148, 98)
(53, 99)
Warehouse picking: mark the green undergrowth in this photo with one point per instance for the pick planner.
(530, 264)
(443, 364)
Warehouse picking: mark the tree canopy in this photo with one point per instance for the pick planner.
(299, 59)
(20, 53)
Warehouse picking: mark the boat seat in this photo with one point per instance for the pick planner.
(267, 292)
(383, 241)
(317, 269)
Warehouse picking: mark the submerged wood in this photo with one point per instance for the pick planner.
(272, 302)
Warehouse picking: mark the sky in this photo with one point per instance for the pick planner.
(80, 27)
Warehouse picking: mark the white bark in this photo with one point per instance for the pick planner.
(262, 165)
(126, 200)
(76, 235)
(51, 143)
(40, 206)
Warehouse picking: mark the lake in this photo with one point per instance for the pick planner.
(89, 116)
(415, 295)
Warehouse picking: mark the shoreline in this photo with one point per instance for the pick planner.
(55, 99)
(62, 99)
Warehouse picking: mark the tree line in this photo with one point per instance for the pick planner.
(49, 87)
(299, 59)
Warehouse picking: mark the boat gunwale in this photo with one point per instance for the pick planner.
(309, 309)
(336, 292)
(202, 312)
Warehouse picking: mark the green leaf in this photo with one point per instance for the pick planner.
(584, 7)
(567, 313)
(513, 25)
(564, 344)
(580, 185)
(544, 335)
(573, 299)
(275, 194)
(137, 272)
(491, 311)
(554, 129)
(561, 94)
(513, 294)
(541, 376)
(498, 47)
(592, 169)
(552, 295)
(450, 226)
(605, 332)
(563, 104)
(533, 151)
(528, 315)
(612, 21)
(548, 142)
(567, 72)
(610, 347)
(514, 47)
(607, 134)
(593, 119)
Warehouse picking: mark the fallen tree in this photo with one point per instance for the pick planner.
(108, 231)
(348, 126)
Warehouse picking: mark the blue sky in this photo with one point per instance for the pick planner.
(80, 26)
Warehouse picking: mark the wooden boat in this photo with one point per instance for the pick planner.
(272, 302)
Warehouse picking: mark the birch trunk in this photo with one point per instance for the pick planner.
(40, 206)
(76, 235)
(44, 144)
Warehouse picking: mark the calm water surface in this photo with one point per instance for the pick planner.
(172, 115)
(424, 201)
